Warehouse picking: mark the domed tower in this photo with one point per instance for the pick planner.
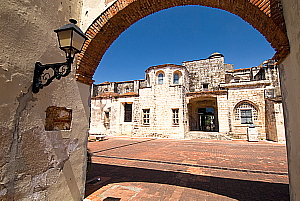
(216, 55)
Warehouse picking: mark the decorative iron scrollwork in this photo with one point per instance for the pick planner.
(42, 79)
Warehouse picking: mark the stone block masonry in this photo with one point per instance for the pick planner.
(189, 101)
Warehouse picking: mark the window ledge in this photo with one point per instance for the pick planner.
(245, 125)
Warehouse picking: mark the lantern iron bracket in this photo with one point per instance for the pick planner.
(42, 79)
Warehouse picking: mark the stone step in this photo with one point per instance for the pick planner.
(207, 135)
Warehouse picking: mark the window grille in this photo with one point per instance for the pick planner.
(246, 116)
(160, 78)
(146, 116)
(246, 112)
(175, 117)
(176, 78)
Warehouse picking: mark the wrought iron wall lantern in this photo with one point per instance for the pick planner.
(71, 40)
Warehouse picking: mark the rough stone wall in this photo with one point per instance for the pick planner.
(242, 75)
(119, 87)
(36, 164)
(224, 114)
(279, 122)
(267, 71)
(115, 125)
(241, 86)
(210, 71)
(255, 96)
(159, 98)
(274, 122)
(271, 121)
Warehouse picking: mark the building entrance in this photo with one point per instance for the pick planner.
(203, 114)
(206, 119)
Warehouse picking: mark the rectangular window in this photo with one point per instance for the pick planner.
(127, 112)
(246, 116)
(175, 118)
(205, 87)
(106, 117)
(146, 116)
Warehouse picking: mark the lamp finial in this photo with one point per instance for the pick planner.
(73, 21)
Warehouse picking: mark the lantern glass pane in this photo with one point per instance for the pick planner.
(78, 41)
(64, 38)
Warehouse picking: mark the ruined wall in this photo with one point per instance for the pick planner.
(119, 87)
(36, 164)
(242, 75)
(113, 124)
(209, 72)
(290, 88)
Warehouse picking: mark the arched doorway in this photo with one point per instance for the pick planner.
(264, 15)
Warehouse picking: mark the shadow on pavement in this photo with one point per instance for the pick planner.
(233, 188)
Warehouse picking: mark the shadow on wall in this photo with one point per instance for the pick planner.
(233, 188)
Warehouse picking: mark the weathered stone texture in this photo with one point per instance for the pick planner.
(160, 99)
(210, 72)
(212, 108)
(256, 97)
(275, 121)
(30, 168)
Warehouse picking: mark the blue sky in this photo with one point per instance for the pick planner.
(182, 34)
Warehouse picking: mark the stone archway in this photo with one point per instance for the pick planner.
(264, 15)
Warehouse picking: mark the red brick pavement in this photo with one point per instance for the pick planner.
(164, 169)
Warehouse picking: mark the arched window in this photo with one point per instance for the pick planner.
(246, 112)
(176, 78)
(160, 78)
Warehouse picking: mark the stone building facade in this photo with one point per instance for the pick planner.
(205, 98)
(37, 164)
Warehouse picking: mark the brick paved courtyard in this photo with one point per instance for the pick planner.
(165, 169)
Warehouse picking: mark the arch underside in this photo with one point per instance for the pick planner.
(264, 15)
